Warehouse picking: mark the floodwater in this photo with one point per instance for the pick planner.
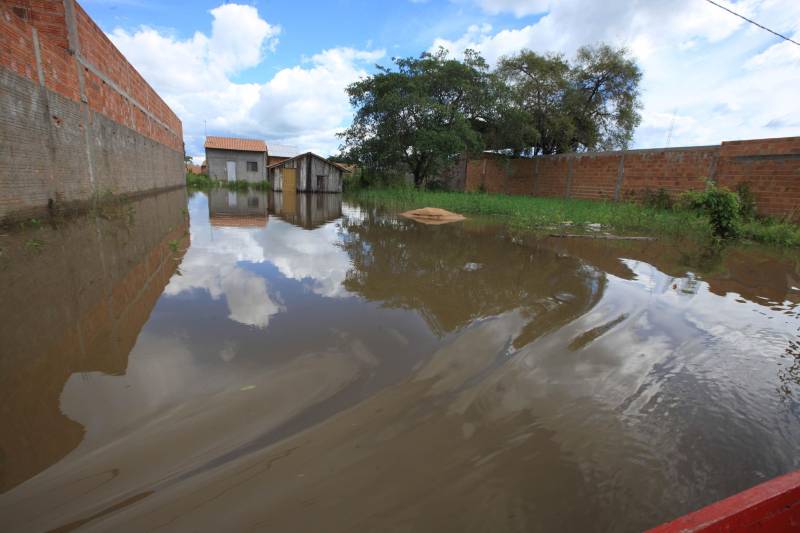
(250, 361)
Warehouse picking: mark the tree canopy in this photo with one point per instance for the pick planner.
(425, 112)
(589, 104)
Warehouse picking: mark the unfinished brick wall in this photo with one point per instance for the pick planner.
(81, 120)
(771, 168)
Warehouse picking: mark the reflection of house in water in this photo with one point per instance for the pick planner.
(308, 211)
(236, 208)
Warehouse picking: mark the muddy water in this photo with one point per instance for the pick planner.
(292, 363)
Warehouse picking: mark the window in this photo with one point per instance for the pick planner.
(252, 166)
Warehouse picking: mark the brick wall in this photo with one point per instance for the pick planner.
(81, 119)
(771, 167)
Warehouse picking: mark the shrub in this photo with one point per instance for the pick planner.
(720, 205)
(199, 181)
(747, 201)
(262, 186)
(659, 199)
(238, 185)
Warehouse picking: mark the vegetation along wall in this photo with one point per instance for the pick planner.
(770, 167)
(77, 118)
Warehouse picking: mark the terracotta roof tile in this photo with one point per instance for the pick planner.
(232, 143)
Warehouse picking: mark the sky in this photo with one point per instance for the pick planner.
(278, 69)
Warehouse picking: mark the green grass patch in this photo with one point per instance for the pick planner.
(572, 216)
(202, 182)
(770, 231)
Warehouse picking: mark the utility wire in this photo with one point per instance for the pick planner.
(753, 22)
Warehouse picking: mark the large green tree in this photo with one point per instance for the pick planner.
(552, 106)
(421, 114)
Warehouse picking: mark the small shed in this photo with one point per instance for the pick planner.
(306, 172)
(234, 159)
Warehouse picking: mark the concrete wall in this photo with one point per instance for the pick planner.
(770, 167)
(77, 118)
(218, 159)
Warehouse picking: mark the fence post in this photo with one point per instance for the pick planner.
(620, 177)
(569, 175)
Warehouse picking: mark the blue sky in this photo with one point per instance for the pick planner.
(277, 69)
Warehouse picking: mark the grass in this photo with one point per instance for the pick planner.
(34, 244)
(200, 181)
(770, 231)
(528, 212)
(205, 183)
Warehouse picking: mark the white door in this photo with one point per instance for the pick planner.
(231, 170)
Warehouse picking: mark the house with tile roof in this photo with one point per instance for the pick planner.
(234, 159)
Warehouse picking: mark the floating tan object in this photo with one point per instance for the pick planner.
(432, 215)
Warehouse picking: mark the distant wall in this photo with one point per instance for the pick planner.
(77, 118)
(771, 167)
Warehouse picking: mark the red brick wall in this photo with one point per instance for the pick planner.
(771, 167)
(118, 102)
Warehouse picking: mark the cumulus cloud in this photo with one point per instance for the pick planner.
(214, 265)
(313, 257)
(304, 105)
(708, 75)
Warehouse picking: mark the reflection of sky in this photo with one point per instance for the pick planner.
(216, 262)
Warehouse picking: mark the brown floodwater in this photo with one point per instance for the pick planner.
(232, 361)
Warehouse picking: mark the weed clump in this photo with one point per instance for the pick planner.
(659, 199)
(722, 207)
(200, 181)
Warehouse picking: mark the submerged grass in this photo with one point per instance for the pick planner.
(544, 213)
(528, 212)
(202, 182)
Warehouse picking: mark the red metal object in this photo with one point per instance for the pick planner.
(770, 506)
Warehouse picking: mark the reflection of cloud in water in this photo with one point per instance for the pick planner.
(308, 255)
(247, 298)
(211, 264)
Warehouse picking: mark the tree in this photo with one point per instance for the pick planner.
(421, 115)
(552, 106)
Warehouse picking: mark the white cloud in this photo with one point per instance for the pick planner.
(708, 75)
(304, 105)
(212, 264)
(310, 256)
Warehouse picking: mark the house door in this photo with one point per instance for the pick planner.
(231, 170)
(289, 179)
